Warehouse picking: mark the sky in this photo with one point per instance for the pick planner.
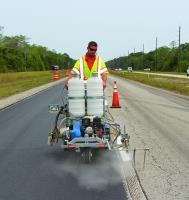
(118, 26)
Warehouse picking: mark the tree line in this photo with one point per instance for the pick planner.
(16, 54)
(173, 59)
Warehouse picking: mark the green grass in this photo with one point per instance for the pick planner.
(177, 85)
(12, 83)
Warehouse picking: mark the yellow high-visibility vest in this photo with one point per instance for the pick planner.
(81, 68)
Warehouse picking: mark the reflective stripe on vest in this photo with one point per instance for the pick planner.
(99, 61)
(81, 68)
(99, 66)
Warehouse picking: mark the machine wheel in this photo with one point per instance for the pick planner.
(87, 155)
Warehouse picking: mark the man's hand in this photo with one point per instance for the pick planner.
(104, 85)
(66, 82)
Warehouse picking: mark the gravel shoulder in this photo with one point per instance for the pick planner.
(157, 120)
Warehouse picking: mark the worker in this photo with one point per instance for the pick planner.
(90, 63)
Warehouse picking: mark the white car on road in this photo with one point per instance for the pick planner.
(129, 69)
(187, 72)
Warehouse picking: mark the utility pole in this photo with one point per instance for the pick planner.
(128, 60)
(179, 52)
(134, 59)
(156, 55)
(143, 56)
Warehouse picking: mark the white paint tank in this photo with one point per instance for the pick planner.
(76, 96)
(95, 101)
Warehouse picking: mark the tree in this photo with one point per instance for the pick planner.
(16, 54)
(167, 59)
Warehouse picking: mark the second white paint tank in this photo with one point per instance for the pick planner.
(95, 99)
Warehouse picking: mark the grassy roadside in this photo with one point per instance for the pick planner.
(177, 85)
(12, 83)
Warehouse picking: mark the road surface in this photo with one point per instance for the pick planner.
(154, 118)
(31, 170)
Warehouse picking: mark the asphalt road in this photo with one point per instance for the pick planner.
(158, 120)
(29, 169)
(154, 118)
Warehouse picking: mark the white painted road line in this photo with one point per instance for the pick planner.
(125, 156)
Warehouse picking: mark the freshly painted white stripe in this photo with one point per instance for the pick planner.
(125, 156)
(119, 140)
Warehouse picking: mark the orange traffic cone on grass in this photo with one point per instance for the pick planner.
(55, 75)
(115, 99)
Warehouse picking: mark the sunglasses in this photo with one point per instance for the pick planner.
(91, 49)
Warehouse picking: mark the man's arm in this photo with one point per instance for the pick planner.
(104, 79)
(104, 72)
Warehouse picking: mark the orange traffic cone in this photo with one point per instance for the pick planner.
(55, 75)
(115, 100)
(67, 73)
